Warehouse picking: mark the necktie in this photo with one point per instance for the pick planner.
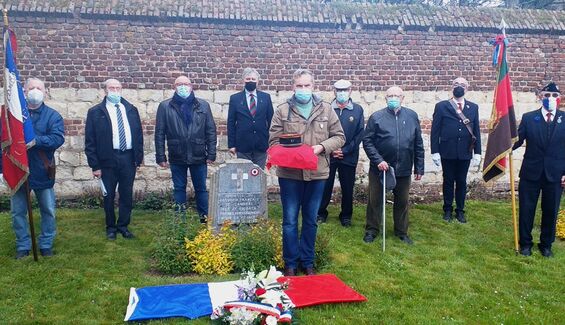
(252, 105)
(548, 117)
(460, 107)
(121, 129)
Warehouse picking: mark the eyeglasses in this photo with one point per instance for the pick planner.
(547, 95)
(457, 84)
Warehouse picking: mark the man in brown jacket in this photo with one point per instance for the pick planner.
(305, 114)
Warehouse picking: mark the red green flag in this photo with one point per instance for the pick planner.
(502, 124)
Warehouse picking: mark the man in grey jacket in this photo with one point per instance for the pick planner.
(392, 138)
(187, 125)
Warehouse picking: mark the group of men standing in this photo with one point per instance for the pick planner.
(392, 140)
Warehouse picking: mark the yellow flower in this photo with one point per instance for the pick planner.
(560, 232)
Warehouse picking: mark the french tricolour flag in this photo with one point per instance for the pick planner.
(200, 299)
(17, 129)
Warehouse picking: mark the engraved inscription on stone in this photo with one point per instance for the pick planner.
(238, 193)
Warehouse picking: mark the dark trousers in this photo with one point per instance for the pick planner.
(375, 203)
(528, 197)
(454, 172)
(259, 158)
(346, 176)
(124, 175)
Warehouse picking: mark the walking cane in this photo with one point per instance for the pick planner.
(384, 209)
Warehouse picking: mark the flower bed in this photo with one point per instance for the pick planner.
(560, 232)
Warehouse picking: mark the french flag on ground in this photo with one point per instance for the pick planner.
(200, 299)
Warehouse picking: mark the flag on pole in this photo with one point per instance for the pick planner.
(502, 124)
(17, 129)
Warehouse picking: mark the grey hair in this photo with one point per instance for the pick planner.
(302, 72)
(110, 80)
(33, 79)
(248, 71)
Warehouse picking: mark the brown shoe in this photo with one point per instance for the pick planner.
(309, 271)
(289, 271)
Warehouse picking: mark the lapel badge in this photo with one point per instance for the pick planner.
(559, 120)
(351, 119)
(321, 126)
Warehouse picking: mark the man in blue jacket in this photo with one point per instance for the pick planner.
(455, 145)
(49, 135)
(249, 119)
(543, 169)
(393, 137)
(344, 160)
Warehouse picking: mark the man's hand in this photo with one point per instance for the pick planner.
(2, 182)
(436, 159)
(476, 160)
(563, 181)
(209, 162)
(97, 173)
(337, 154)
(233, 151)
(318, 149)
(417, 177)
(164, 164)
(383, 166)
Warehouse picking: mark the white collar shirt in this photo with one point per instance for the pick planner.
(113, 112)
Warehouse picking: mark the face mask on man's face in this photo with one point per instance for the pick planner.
(114, 97)
(184, 91)
(250, 85)
(458, 92)
(35, 97)
(342, 96)
(551, 103)
(303, 96)
(393, 103)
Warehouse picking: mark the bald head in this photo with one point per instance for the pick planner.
(395, 91)
(182, 80)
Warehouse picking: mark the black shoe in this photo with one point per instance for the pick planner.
(406, 239)
(545, 251)
(46, 252)
(309, 271)
(460, 216)
(526, 251)
(127, 234)
(447, 216)
(22, 254)
(322, 219)
(369, 237)
(111, 236)
(346, 222)
(289, 271)
(203, 219)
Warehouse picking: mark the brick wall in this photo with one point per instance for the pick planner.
(74, 48)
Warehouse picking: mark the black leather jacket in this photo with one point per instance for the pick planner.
(192, 145)
(396, 139)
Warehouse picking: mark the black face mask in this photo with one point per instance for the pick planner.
(458, 92)
(250, 85)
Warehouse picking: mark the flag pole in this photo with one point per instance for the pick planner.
(513, 194)
(503, 26)
(27, 189)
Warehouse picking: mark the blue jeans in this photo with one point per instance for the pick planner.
(198, 173)
(20, 223)
(296, 194)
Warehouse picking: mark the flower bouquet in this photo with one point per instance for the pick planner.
(261, 301)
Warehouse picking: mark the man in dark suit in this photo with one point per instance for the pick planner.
(249, 119)
(456, 144)
(543, 169)
(114, 149)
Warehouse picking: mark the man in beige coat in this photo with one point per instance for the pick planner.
(317, 123)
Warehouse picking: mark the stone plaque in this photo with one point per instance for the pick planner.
(238, 193)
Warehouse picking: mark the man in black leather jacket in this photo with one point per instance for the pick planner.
(392, 138)
(186, 123)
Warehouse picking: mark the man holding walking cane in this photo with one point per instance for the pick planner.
(393, 138)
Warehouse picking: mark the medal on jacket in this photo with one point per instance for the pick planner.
(351, 119)
(321, 126)
(559, 120)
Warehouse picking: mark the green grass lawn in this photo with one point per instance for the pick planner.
(453, 274)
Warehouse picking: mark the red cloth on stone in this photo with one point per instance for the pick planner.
(300, 157)
(311, 290)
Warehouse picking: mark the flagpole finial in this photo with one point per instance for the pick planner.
(503, 26)
(5, 14)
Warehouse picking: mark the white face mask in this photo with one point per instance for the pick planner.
(35, 97)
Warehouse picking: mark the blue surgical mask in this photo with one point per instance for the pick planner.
(393, 103)
(303, 96)
(184, 91)
(114, 97)
(342, 96)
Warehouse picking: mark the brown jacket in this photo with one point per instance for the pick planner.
(323, 127)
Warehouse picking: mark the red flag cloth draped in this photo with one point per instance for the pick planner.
(17, 130)
(300, 157)
(502, 124)
(311, 290)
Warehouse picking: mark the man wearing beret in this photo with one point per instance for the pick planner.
(344, 160)
(543, 169)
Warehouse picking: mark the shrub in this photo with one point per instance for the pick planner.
(322, 250)
(210, 253)
(161, 200)
(258, 246)
(560, 232)
(168, 251)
